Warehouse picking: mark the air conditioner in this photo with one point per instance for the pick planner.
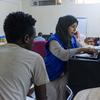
(45, 2)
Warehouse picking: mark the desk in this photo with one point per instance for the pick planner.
(83, 73)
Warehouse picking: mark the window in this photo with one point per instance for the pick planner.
(46, 2)
(87, 1)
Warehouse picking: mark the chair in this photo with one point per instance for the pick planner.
(31, 93)
(70, 93)
(28, 98)
(39, 47)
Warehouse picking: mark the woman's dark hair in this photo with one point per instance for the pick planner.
(17, 25)
(62, 27)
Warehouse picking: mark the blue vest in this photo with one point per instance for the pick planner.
(54, 66)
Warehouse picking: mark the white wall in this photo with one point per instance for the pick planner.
(7, 6)
(47, 16)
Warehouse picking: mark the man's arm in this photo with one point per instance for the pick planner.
(40, 92)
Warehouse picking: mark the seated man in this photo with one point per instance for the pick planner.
(39, 37)
(20, 67)
(90, 41)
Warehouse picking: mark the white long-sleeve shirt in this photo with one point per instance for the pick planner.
(61, 53)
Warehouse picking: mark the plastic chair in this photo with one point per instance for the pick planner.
(70, 93)
(39, 47)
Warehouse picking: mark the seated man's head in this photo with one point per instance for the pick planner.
(19, 29)
(90, 41)
(40, 34)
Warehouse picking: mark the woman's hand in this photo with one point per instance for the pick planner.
(88, 50)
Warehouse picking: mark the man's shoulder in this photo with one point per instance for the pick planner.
(25, 53)
(30, 53)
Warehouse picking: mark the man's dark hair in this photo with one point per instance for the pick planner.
(40, 34)
(17, 25)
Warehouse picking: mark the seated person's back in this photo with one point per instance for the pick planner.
(20, 67)
(39, 47)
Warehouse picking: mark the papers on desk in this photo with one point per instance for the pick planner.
(83, 55)
(91, 46)
(86, 56)
(97, 48)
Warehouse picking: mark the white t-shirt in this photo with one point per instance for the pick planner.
(17, 67)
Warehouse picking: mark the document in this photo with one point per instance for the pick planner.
(86, 56)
